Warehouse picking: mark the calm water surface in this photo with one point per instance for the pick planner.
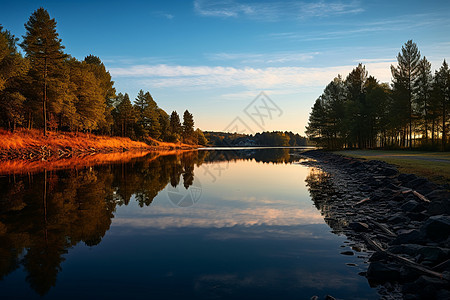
(237, 224)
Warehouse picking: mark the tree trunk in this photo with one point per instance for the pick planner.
(44, 100)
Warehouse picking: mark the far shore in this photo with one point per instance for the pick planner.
(32, 145)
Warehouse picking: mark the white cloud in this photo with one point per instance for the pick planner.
(275, 10)
(250, 78)
(266, 58)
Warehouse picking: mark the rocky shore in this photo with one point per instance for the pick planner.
(401, 220)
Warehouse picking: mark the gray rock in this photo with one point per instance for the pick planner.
(347, 253)
(436, 228)
(381, 272)
(439, 207)
(413, 237)
(359, 226)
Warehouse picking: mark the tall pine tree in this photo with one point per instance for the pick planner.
(44, 49)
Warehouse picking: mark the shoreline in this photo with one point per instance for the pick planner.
(401, 220)
(31, 145)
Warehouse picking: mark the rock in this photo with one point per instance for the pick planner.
(433, 254)
(389, 171)
(406, 177)
(416, 216)
(426, 287)
(414, 184)
(381, 272)
(347, 253)
(328, 297)
(359, 226)
(398, 218)
(442, 267)
(412, 237)
(410, 249)
(436, 228)
(439, 207)
(410, 206)
(438, 195)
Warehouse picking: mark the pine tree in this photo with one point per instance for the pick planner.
(424, 85)
(175, 124)
(188, 126)
(404, 78)
(43, 47)
(12, 68)
(125, 115)
(442, 86)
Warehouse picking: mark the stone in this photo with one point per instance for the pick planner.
(347, 253)
(409, 206)
(398, 218)
(359, 226)
(436, 228)
(406, 177)
(414, 184)
(439, 207)
(413, 237)
(382, 272)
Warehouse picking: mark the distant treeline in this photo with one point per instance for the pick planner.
(51, 90)
(360, 112)
(275, 138)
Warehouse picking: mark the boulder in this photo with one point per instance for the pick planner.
(436, 228)
(359, 226)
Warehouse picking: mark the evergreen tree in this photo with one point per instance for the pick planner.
(43, 47)
(107, 90)
(442, 79)
(175, 125)
(404, 78)
(12, 68)
(125, 115)
(424, 87)
(188, 126)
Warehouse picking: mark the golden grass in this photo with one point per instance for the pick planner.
(31, 139)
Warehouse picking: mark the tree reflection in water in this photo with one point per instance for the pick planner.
(44, 213)
(323, 194)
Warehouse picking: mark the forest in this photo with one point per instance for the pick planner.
(274, 138)
(361, 112)
(46, 88)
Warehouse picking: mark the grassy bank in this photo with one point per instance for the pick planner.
(32, 144)
(433, 165)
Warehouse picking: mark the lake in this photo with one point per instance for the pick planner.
(207, 224)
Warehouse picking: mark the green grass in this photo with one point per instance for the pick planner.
(433, 165)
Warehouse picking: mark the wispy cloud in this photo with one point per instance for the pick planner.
(164, 15)
(251, 78)
(266, 58)
(400, 23)
(276, 10)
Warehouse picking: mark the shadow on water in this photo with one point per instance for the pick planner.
(44, 213)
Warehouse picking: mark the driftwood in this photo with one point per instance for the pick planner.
(420, 196)
(384, 228)
(407, 262)
(362, 201)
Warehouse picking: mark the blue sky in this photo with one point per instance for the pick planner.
(214, 57)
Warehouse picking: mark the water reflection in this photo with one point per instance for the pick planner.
(44, 213)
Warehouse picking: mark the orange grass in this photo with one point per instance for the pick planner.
(24, 139)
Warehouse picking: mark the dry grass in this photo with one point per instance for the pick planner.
(32, 139)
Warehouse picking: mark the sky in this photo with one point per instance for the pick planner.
(243, 66)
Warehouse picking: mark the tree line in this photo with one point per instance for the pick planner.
(266, 138)
(361, 112)
(50, 90)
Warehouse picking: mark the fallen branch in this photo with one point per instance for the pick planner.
(409, 263)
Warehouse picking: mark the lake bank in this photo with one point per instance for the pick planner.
(402, 218)
(33, 145)
(434, 166)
